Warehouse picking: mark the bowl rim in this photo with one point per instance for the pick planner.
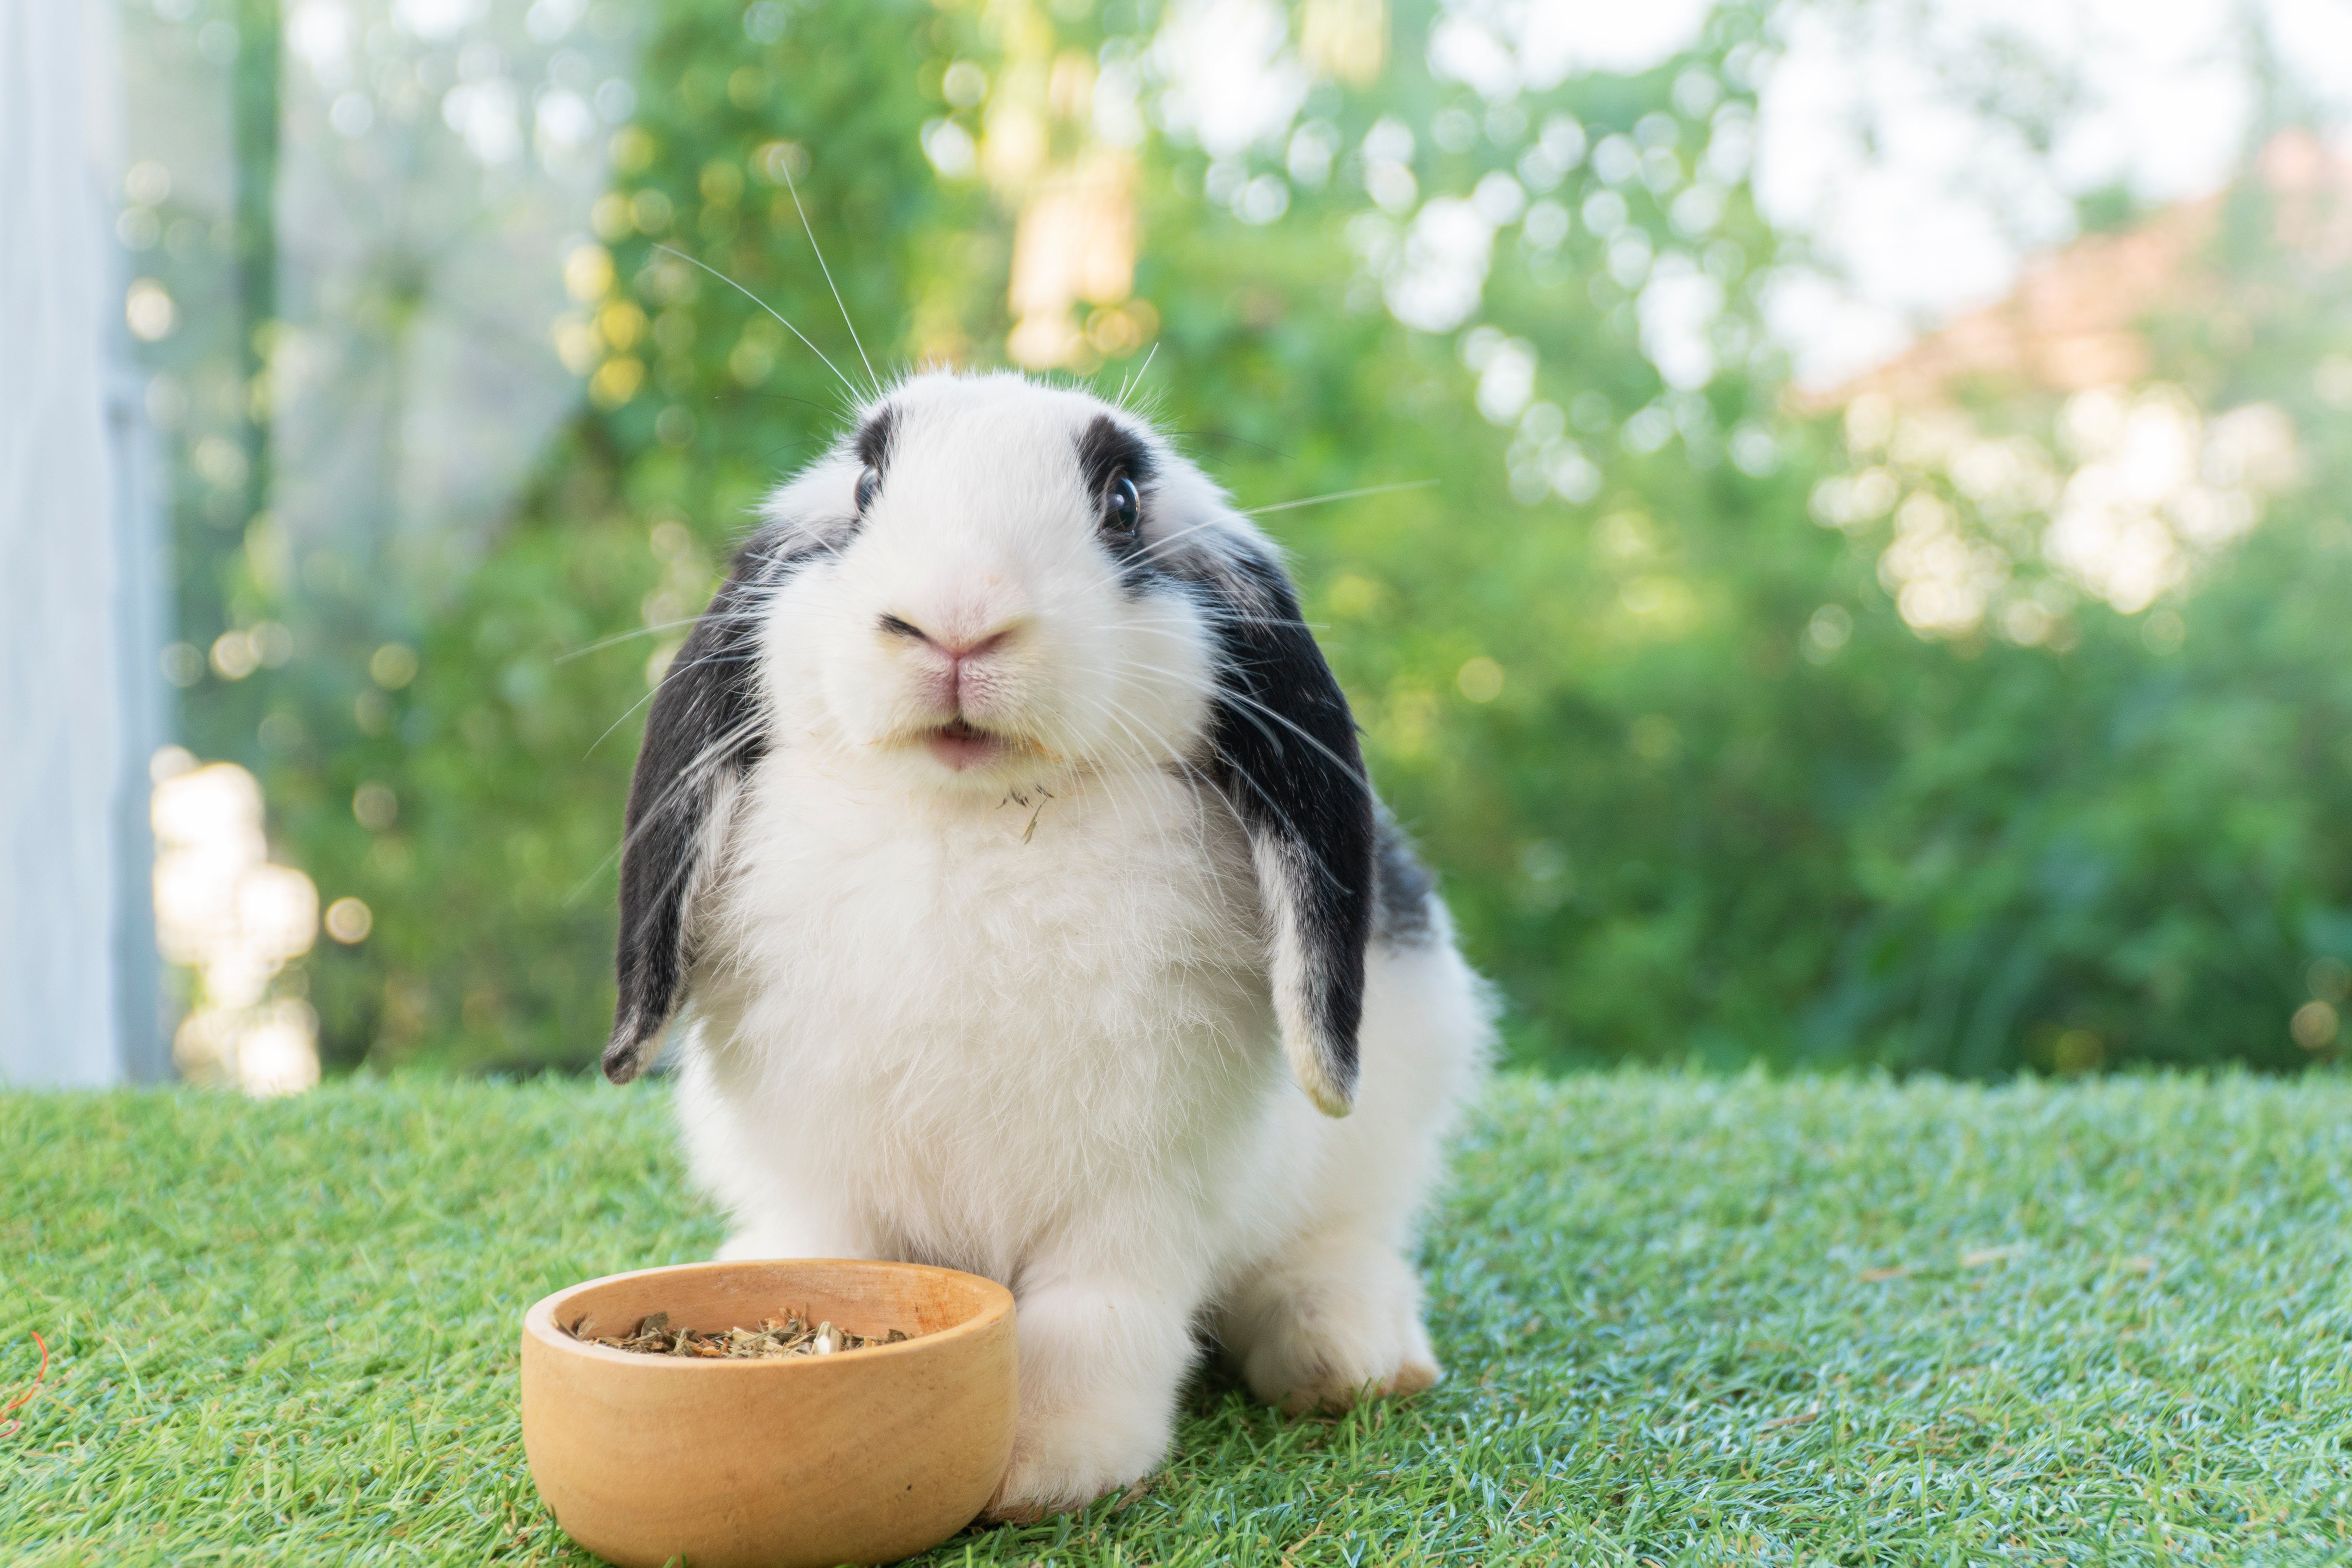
(539, 1321)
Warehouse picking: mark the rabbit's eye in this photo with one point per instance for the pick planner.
(867, 483)
(1122, 506)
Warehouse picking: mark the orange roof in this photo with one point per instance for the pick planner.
(2075, 319)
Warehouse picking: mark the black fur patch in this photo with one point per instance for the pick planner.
(876, 438)
(1285, 755)
(1107, 449)
(1400, 885)
(705, 729)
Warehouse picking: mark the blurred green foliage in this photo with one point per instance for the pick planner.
(1696, 788)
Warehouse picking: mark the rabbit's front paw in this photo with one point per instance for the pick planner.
(1066, 1460)
(1345, 1327)
(1311, 1367)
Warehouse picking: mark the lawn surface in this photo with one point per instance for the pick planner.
(1688, 1321)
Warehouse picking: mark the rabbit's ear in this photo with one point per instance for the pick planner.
(705, 729)
(1286, 756)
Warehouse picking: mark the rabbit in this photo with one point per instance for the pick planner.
(1001, 843)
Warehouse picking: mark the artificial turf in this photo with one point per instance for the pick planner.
(1687, 1320)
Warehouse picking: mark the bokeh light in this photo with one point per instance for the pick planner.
(350, 920)
(236, 919)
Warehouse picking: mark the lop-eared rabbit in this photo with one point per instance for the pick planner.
(1000, 841)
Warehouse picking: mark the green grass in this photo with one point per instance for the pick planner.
(1688, 1321)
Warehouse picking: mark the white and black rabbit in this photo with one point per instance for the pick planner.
(1001, 832)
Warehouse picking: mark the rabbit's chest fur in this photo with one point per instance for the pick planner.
(973, 1024)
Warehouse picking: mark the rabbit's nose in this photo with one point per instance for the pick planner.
(978, 647)
(955, 647)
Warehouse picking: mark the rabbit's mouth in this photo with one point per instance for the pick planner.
(958, 745)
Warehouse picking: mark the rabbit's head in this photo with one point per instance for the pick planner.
(998, 586)
(989, 585)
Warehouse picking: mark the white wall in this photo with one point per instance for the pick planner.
(79, 589)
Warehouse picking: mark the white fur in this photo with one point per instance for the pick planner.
(1018, 1019)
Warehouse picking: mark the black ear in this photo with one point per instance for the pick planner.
(1285, 755)
(706, 727)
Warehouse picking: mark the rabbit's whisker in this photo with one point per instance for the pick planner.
(654, 629)
(846, 385)
(1137, 375)
(874, 381)
(1250, 707)
(1186, 762)
(1339, 495)
(689, 778)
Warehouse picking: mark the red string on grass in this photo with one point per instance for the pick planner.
(10, 1428)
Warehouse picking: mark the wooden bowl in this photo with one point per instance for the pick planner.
(860, 1456)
